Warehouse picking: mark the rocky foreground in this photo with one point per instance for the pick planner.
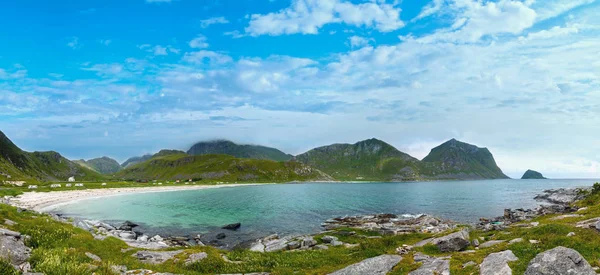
(450, 239)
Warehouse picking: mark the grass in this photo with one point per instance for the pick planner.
(59, 248)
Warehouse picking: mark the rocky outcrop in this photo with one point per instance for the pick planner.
(390, 224)
(497, 263)
(530, 174)
(453, 242)
(155, 257)
(431, 265)
(563, 196)
(379, 265)
(233, 226)
(559, 261)
(13, 249)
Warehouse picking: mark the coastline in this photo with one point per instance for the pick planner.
(46, 201)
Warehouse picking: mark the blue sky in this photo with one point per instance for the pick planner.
(124, 78)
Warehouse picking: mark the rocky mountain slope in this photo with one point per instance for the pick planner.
(531, 174)
(374, 159)
(219, 167)
(17, 165)
(458, 160)
(103, 165)
(370, 159)
(135, 160)
(226, 147)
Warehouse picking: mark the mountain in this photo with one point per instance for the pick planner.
(370, 159)
(219, 167)
(530, 174)
(458, 160)
(103, 165)
(226, 147)
(16, 165)
(135, 160)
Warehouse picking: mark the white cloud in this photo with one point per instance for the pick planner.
(199, 42)
(431, 8)
(73, 43)
(211, 21)
(358, 41)
(159, 50)
(203, 56)
(551, 8)
(308, 16)
(105, 42)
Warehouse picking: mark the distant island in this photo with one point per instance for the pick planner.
(531, 174)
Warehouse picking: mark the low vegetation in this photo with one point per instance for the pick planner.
(59, 248)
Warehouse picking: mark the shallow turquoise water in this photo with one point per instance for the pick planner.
(300, 208)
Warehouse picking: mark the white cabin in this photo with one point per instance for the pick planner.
(56, 185)
(79, 185)
(32, 187)
(71, 179)
(68, 185)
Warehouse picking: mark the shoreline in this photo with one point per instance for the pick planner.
(45, 201)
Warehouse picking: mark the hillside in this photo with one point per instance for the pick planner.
(221, 168)
(103, 165)
(135, 160)
(370, 159)
(226, 147)
(458, 160)
(531, 174)
(16, 165)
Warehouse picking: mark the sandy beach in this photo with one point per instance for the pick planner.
(45, 201)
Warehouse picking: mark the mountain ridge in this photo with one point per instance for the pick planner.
(226, 147)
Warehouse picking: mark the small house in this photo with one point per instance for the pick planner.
(79, 185)
(68, 185)
(71, 179)
(32, 187)
(104, 184)
(56, 185)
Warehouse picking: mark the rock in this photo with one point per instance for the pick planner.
(562, 196)
(497, 263)
(12, 248)
(424, 242)
(257, 247)
(454, 242)
(293, 245)
(93, 257)
(470, 263)
(534, 224)
(308, 242)
(404, 249)
(196, 257)
(329, 239)
(142, 238)
(127, 226)
(220, 236)
(155, 257)
(119, 269)
(431, 266)
(534, 241)
(9, 222)
(379, 265)
(275, 245)
(559, 261)
(562, 217)
(491, 243)
(336, 243)
(127, 235)
(321, 247)
(517, 240)
(156, 238)
(233, 226)
(571, 234)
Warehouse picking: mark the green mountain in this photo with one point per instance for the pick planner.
(370, 159)
(226, 147)
(458, 160)
(530, 174)
(221, 168)
(16, 165)
(103, 165)
(135, 160)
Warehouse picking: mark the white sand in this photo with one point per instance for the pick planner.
(46, 201)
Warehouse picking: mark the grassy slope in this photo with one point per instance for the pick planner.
(370, 160)
(226, 147)
(218, 167)
(60, 249)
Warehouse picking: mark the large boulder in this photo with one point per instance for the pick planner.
(127, 226)
(233, 226)
(431, 265)
(379, 265)
(12, 247)
(155, 257)
(497, 263)
(559, 261)
(454, 242)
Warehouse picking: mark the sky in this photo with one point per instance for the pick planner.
(124, 78)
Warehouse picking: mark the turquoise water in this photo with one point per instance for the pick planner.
(300, 208)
